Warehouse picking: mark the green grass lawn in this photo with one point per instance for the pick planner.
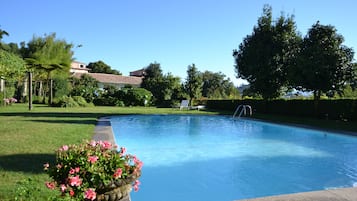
(28, 139)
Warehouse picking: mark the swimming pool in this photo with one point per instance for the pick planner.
(211, 158)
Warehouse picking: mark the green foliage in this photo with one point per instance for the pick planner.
(66, 101)
(264, 57)
(3, 33)
(340, 109)
(45, 55)
(215, 86)
(124, 97)
(324, 64)
(9, 92)
(349, 92)
(71, 101)
(61, 87)
(193, 84)
(165, 88)
(86, 86)
(81, 101)
(101, 67)
(137, 97)
(12, 67)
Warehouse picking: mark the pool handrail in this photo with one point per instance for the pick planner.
(243, 110)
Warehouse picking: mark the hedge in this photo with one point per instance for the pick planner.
(339, 109)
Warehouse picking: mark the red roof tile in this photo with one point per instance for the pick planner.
(113, 79)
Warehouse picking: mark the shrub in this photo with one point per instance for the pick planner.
(81, 101)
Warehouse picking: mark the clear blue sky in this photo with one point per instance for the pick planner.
(131, 34)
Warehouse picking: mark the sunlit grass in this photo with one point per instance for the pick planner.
(29, 138)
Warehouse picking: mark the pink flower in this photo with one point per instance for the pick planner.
(59, 166)
(46, 166)
(72, 171)
(139, 164)
(93, 143)
(64, 148)
(122, 150)
(90, 194)
(117, 174)
(105, 144)
(75, 181)
(63, 188)
(50, 185)
(136, 185)
(76, 169)
(92, 159)
(71, 193)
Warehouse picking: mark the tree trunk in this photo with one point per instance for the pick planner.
(40, 89)
(25, 84)
(30, 90)
(2, 83)
(317, 95)
(4, 90)
(51, 93)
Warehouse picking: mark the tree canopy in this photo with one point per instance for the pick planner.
(264, 57)
(324, 65)
(165, 88)
(11, 66)
(101, 67)
(215, 85)
(193, 84)
(48, 54)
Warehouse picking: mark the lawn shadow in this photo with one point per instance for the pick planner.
(54, 114)
(27, 163)
(90, 122)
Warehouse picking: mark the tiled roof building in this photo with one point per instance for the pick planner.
(118, 81)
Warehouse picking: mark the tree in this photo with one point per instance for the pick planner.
(166, 89)
(48, 54)
(171, 89)
(152, 81)
(101, 67)
(264, 57)
(216, 86)
(324, 65)
(193, 84)
(3, 33)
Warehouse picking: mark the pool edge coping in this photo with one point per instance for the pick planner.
(103, 131)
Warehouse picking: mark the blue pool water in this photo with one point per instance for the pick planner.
(211, 158)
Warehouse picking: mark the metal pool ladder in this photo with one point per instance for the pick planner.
(244, 110)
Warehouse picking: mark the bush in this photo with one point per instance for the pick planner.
(124, 97)
(66, 101)
(138, 97)
(81, 101)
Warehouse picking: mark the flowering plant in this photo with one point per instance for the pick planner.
(10, 101)
(89, 169)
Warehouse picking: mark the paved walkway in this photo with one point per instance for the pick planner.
(343, 194)
(103, 131)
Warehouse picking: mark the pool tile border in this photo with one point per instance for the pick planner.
(103, 131)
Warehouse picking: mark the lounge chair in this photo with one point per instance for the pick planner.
(184, 104)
